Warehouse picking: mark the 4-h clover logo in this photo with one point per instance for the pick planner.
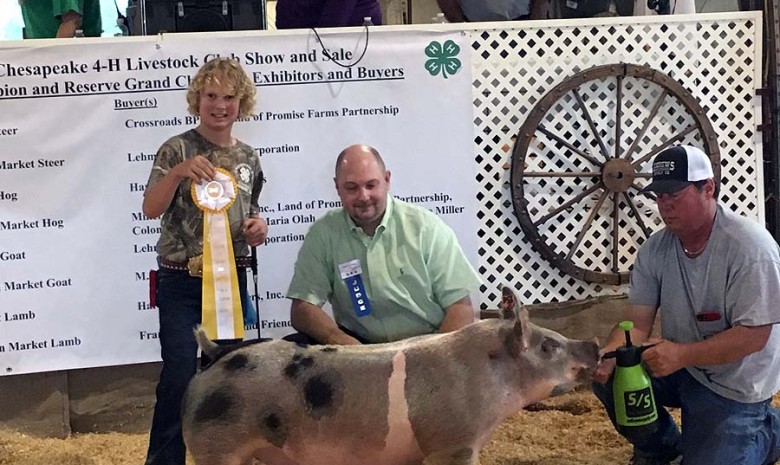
(443, 58)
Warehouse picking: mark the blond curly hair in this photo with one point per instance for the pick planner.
(223, 72)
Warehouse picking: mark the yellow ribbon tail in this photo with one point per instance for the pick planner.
(222, 316)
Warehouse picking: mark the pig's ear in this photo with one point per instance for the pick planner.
(523, 328)
(511, 309)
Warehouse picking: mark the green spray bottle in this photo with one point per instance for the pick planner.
(635, 411)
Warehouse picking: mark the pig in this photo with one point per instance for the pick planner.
(431, 400)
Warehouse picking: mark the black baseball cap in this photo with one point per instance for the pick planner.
(677, 167)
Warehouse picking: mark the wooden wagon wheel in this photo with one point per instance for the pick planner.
(586, 148)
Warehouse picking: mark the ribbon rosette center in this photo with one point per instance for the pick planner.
(217, 195)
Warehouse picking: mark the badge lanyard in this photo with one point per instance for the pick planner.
(351, 272)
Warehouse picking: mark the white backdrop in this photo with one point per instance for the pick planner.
(443, 128)
(81, 123)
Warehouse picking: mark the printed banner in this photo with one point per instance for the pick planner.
(82, 120)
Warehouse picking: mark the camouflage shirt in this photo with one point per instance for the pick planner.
(182, 223)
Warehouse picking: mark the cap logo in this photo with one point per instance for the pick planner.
(661, 168)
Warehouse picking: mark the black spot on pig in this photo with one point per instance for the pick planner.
(273, 428)
(297, 365)
(318, 392)
(237, 362)
(218, 405)
(329, 349)
(291, 370)
(322, 394)
(273, 422)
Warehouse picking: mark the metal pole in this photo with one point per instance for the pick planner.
(771, 104)
(142, 17)
(253, 265)
(263, 26)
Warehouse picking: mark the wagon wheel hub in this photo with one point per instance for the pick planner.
(618, 175)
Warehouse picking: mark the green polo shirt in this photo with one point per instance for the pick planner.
(413, 268)
(42, 17)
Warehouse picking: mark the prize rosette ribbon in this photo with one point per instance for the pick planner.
(222, 316)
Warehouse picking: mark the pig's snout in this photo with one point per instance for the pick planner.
(586, 358)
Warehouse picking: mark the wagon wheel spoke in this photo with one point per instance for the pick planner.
(568, 145)
(563, 174)
(638, 217)
(618, 115)
(663, 145)
(566, 205)
(641, 189)
(646, 124)
(615, 228)
(647, 194)
(585, 228)
(594, 132)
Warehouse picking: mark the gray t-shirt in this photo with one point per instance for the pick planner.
(735, 281)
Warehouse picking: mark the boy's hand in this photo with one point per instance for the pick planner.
(197, 169)
(255, 230)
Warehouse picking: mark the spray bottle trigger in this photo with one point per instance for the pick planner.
(608, 355)
(645, 347)
(613, 353)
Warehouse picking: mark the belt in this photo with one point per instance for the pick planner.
(195, 264)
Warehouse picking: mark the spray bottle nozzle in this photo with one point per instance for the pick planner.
(627, 326)
(629, 348)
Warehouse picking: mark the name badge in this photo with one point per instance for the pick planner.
(351, 272)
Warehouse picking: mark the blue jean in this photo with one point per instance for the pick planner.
(179, 307)
(716, 430)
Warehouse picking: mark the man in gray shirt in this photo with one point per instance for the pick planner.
(715, 276)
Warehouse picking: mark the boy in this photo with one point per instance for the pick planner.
(220, 93)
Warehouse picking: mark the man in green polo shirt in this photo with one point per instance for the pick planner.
(389, 269)
(48, 19)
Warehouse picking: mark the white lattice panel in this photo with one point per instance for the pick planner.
(714, 57)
